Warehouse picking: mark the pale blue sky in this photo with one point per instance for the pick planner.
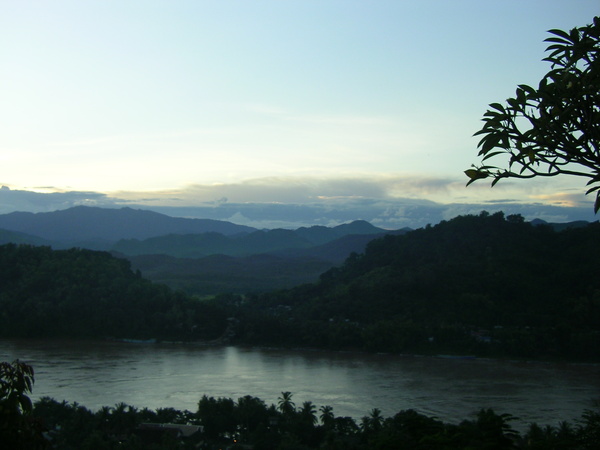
(263, 101)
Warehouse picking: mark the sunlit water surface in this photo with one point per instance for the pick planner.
(97, 374)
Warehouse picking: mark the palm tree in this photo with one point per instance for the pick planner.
(285, 403)
(124, 417)
(372, 422)
(104, 416)
(327, 417)
(308, 413)
(376, 419)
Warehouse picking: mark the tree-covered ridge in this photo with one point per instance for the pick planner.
(84, 293)
(243, 244)
(477, 284)
(474, 285)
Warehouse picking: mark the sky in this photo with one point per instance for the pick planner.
(271, 113)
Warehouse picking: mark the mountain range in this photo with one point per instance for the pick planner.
(200, 256)
(244, 244)
(97, 226)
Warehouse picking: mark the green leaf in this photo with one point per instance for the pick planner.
(528, 89)
(491, 155)
(489, 142)
(495, 181)
(475, 174)
(560, 33)
(589, 191)
(497, 106)
(564, 42)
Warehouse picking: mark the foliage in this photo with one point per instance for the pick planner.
(554, 129)
(220, 274)
(17, 429)
(475, 285)
(481, 285)
(250, 423)
(77, 293)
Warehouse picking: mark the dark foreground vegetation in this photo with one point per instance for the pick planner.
(249, 423)
(485, 285)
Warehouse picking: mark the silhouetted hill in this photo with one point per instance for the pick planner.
(297, 256)
(278, 241)
(91, 224)
(220, 274)
(560, 226)
(338, 250)
(7, 236)
(321, 235)
(211, 263)
(85, 293)
(177, 245)
(474, 284)
(484, 285)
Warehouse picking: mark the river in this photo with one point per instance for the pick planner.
(97, 374)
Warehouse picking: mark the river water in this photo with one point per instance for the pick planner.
(97, 374)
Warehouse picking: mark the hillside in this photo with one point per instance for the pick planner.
(190, 247)
(84, 293)
(221, 274)
(278, 241)
(15, 237)
(257, 262)
(99, 228)
(475, 284)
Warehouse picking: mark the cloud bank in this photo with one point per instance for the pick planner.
(390, 202)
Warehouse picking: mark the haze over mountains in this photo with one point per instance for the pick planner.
(201, 256)
(90, 224)
(486, 285)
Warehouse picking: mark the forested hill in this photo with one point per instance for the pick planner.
(477, 284)
(84, 293)
(98, 228)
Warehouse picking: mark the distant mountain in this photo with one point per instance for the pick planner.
(336, 251)
(96, 226)
(196, 255)
(218, 274)
(7, 236)
(255, 271)
(561, 226)
(320, 235)
(279, 241)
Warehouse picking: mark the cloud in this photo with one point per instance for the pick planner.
(305, 189)
(390, 201)
(33, 201)
(560, 198)
(392, 214)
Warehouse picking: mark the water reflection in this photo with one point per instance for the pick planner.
(99, 374)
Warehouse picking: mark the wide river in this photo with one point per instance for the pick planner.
(97, 374)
